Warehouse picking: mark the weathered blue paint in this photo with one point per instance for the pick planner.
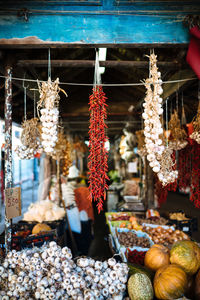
(106, 22)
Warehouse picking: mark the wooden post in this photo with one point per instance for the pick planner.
(149, 186)
(8, 149)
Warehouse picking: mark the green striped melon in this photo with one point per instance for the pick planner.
(140, 287)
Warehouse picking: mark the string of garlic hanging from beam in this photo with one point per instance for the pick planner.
(158, 156)
(49, 113)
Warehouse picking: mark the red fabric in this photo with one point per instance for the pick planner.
(193, 54)
(83, 202)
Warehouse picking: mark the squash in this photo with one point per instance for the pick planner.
(135, 268)
(187, 255)
(140, 287)
(197, 286)
(156, 257)
(170, 282)
(40, 227)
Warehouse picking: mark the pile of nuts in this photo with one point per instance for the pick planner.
(158, 221)
(165, 236)
(50, 273)
(130, 239)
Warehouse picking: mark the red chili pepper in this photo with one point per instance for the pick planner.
(97, 160)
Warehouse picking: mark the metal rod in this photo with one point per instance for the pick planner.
(8, 150)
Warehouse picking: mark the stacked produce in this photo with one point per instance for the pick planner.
(50, 273)
(165, 236)
(178, 216)
(130, 239)
(176, 270)
(44, 211)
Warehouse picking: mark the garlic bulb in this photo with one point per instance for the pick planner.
(153, 127)
(54, 280)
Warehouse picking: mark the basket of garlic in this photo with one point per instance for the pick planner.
(48, 212)
(50, 272)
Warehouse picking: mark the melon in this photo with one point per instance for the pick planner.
(40, 227)
(140, 287)
(187, 255)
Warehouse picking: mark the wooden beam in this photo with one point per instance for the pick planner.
(91, 64)
(171, 88)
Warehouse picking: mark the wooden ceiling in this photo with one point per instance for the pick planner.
(76, 65)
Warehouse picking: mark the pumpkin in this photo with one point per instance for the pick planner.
(170, 282)
(197, 286)
(187, 255)
(140, 287)
(156, 257)
(40, 227)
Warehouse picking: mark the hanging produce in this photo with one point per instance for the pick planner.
(30, 139)
(97, 164)
(177, 134)
(196, 125)
(158, 155)
(141, 143)
(48, 108)
(67, 162)
(195, 175)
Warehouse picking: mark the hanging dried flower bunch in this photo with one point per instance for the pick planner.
(67, 162)
(30, 139)
(97, 164)
(196, 125)
(48, 107)
(157, 155)
(177, 134)
(141, 143)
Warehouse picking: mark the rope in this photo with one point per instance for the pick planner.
(103, 84)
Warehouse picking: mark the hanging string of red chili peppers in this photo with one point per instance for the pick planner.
(195, 175)
(184, 168)
(97, 163)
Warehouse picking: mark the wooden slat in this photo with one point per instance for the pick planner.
(91, 64)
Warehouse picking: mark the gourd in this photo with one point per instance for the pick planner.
(156, 257)
(187, 255)
(197, 286)
(170, 282)
(140, 287)
(40, 227)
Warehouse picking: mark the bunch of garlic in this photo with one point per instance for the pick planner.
(48, 107)
(30, 140)
(152, 125)
(49, 121)
(50, 273)
(45, 210)
(195, 136)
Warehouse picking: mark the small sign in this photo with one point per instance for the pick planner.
(132, 167)
(13, 202)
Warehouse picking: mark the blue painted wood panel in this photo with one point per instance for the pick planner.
(104, 23)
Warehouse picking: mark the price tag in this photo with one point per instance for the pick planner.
(185, 228)
(132, 167)
(13, 202)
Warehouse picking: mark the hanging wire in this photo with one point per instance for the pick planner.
(103, 84)
(25, 116)
(34, 108)
(177, 101)
(167, 121)
(49, 63)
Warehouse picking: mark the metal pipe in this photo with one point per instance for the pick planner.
(8, 150)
